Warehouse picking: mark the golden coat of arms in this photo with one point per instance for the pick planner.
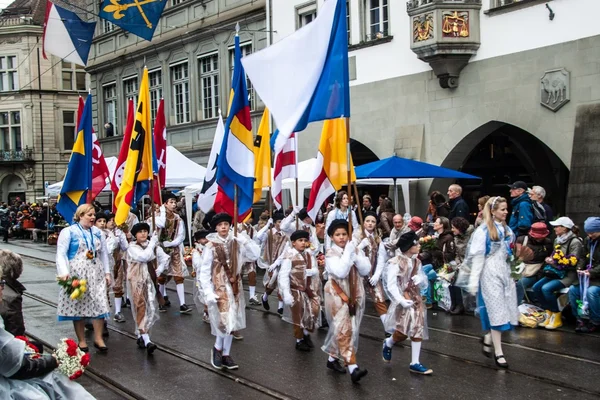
(422, 27)
(455, 24)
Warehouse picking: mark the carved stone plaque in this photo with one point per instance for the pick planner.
(423, 27)
(555, 89)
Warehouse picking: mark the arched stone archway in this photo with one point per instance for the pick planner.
(11, 187)
(361, 154)
(502, 153)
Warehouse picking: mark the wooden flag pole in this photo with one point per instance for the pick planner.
(297, 221)
(234, 251)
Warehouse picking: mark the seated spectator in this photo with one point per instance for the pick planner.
(554, 280)
(540, 247)
(462, 231)
(435, 259)
(588, 275)
(416, 225)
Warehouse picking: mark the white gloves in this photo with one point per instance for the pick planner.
(167, 243)
(312, 272)
(297, 209)
(404, 303)
(241, 238)
(154, 240)
(162, 209)
(270, 221)
(211, 298)
(288, 299)
(273, 266)
(374, 279)
(364, 244)
(417, 279)
(350, 249)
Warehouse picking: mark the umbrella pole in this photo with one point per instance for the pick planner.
(396, 196)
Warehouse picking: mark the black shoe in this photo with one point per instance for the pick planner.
(105, 330)
(336, 366)
(590, 328)
(184, 309)
(458, 310)
(358, 374)
(101, 349)
(280, 311)
(580, 326)
(501, 364)
(228, 363)
(302, 345)
(127, 304)
(162, 308)
(486, 349)
(140, 343)
(324, 323)
(265, 303)
(150, 347)
(84, 349)
(216, 358)
(167, 302)
(309, 341)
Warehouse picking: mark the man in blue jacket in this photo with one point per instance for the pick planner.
(522, 210)
(458, 205)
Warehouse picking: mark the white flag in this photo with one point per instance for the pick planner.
(206, 199)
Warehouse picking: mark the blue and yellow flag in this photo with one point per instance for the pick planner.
(235, 165)
(139, 17)
(138, 167)
(78, 179)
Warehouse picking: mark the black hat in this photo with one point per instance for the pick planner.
(300, 234)
(335, 224)
(201, 234)
(370, 214)
(518, 185)
(218, 218)
(302, 214)
(408, 240)
(277, 216)
(142, 226)
(109, 216)
(166, 196)
(101, 216)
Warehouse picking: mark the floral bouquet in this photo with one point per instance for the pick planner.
(30, 349)
(427, 243)
(187, 255)
(71, 360)
(562, 261)
(74, 287)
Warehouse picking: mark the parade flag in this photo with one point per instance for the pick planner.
(139, 165)
(235, 166)
(206, 198)
(99, 168)
(332, 165)
(285, 167)
(262, 157)
(120, 167)
(304, 77)
(160, 150)
(66, 36)
(78, 179)
(139, 17)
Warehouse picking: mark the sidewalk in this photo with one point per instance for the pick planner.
(29, 248)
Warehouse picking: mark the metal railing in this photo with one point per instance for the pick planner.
(16, 155)
(412, 4)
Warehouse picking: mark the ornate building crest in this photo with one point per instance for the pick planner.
(555, 89)
(455, 24)
(423, 27)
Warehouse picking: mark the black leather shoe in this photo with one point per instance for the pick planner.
(460, 309)
(501, 364)
(140, 343)
(101, 349)
(302, 346)
(486, 349)
(336, 366)
(309, 341)
(150, 347)
(84, 349)
(358, 374)
(265, 303)
(167, 301)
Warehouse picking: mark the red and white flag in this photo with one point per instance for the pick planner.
(120, 167)
(285, 167)
(99, 168)
(160, 147)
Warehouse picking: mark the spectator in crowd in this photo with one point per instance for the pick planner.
(444, 252)
(386, 218)
(367, 204)
(537, 195)
(437, 208)
(540, 247)
(197, 223)
(521, 218)
(480, 204)
(589, 276)
(416, 225)
(458, 205)
(462, 233)
(11, 307)
(554, 280)
(382, 197)
(5, 222)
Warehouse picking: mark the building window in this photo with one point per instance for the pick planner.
(246, 49)
(181, 92)
(73, 76)
(9, 77)
(305, 14)
(110, 108)
(176, 2)
(155, 80)
(107, 26)
(10, 131)
(376, 19)
(68, 129)
(209, 84)
(130, 89)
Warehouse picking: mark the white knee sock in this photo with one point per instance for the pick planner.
(219, 343)
(497, 341)
(265, 296)
(181, 294)
(280, 304)
(252, 290)
(162, 289)
(389, 342)
(352, 367)
(118, 303)
(146, 338)
(330, 359)
(227, 344)
(306, 333)
(416, 351)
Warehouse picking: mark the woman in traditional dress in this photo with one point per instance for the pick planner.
(81, 251)
(486, 272)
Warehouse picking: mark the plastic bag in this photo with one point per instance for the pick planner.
(530, 316)
(441, 294)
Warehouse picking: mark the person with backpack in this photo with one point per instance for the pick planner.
(557, 275)
(522, 216)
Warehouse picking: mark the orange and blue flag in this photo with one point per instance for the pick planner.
(78, 179)
(235, 165)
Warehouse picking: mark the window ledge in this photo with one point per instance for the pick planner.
(370, 43)
(516, 5)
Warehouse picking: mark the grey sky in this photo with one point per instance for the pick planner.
(4, 3)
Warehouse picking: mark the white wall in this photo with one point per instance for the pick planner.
(511, 32)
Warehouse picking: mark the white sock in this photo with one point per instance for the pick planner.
(146, 338)
(227, 344)
(331, 359)
(219, 343)
(298, 340)
(389, 342)
(264, 296)
(280, 304)
(162, 290)
(416, 350)
(181, 294)
(497, 340)
(382, 318)
(252, 290)
(352, 367)
(306, 333)
(118, 303)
